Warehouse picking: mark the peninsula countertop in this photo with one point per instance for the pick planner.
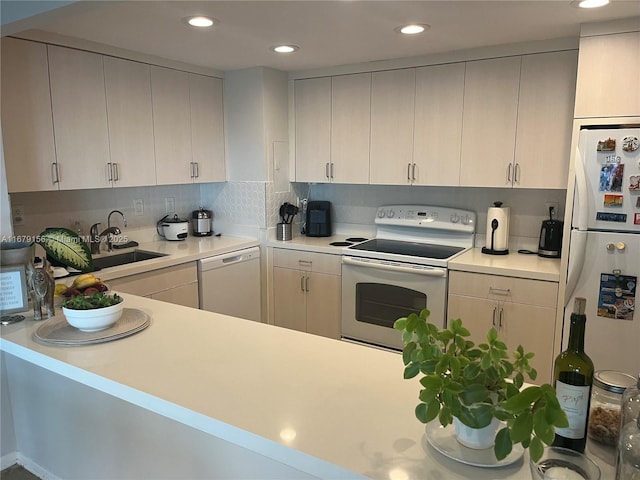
(351, 412)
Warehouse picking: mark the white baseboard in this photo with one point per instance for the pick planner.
(7, 460)
(29, 464)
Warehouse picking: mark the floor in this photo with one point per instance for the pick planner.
(17, 472)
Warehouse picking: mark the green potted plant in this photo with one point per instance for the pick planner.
(478, 385)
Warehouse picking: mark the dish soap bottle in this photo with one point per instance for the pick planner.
(573, 376)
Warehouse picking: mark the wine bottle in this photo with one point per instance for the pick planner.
(572, 376)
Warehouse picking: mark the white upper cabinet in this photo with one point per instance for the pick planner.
(313, 129)
(172, 125)
(130, 118)
(489, 122)
(80, 118)
(545, 106)
(609, 76)
(207, 128)
(392, 117)
(438, 124)
(350, 128)
(27, 123)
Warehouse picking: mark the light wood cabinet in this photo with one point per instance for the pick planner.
(172, 125)
(130, 119)
(608, 76)
(392, 117)
(207, 129)
(350, 128)
(80, 118)
(313, 129)
(489, 122)
(177, 284)
(522, 310)
(27, 121)
(438, 125)
(545, 105)
(307, 291)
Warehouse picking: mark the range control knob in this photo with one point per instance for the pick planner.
(610, 247)
(621, 246)
(391, 213)
(380, 213)
(455, 218)
(464, 219)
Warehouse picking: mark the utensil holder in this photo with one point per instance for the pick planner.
(283, 231)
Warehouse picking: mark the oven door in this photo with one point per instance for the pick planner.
(375, 293)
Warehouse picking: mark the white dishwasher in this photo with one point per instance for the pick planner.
(230, 283)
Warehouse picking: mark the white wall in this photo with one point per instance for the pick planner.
(6, 230)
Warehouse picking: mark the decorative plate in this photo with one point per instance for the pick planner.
(443, 439)
(630, 144)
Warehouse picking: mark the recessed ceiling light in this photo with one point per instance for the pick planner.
(285, 48)
(199, 21)
(592, 3)
(412, 28)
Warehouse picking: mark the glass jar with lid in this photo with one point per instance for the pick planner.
(606, 401)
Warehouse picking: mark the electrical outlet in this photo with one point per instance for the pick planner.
(554, 206)
(17, 215)
(169, 205)
(138, 207)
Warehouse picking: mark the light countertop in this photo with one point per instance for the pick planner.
(511, 265)
(177, 252)
(344, 404)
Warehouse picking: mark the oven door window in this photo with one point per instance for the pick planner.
(381, 304)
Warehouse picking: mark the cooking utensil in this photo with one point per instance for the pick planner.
(287, 212)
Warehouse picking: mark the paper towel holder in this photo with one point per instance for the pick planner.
(492, 225)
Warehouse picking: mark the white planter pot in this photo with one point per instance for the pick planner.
(476, 438)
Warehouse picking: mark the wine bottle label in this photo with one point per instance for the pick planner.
(574, 400)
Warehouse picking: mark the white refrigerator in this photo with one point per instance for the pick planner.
(604, 250)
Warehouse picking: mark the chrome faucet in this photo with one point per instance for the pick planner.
(96, 238)
(124, 221)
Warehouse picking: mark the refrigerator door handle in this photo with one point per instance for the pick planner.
(582, 201)
(577, 251)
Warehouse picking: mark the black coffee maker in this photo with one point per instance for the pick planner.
(550, 245)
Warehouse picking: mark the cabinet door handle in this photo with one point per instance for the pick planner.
(493, 321)
(55, 178)
(196, 169)
(500, 291)
(109, 172)
(509, 173)
(306, 263)
(116, 173)
(302, 283)
(306, 284)
(516, 173)
(500, 317)
(326, 170)
(331, 170)
(413, 172)
(409, 172)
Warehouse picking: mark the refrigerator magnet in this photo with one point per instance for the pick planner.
(613, 200)
(611, 175)
(634, 182)
(608, 145)
(617, 296)
(630, 143)
(636, 218)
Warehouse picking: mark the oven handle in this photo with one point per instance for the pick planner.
(427, 271)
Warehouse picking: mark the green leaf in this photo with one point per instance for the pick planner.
(411, 370)
(65, 246)
(425, 412)
(407, 351)
(492, 335)
(477, 417)
(523, 400)
(536, 449)
(544, 431)
(445, 416)
(503, 444)
(432, 382)
(400, 323)
(454, 387)
(474, 393)
(522, 427)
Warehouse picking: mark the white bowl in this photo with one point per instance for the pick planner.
(95, 319)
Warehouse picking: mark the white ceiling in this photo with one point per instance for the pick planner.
(329, 33)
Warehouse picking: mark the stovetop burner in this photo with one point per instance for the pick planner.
(341, 244)
(356, 239)
(413, 249)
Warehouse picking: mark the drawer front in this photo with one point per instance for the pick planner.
(145, 284)
(508, 289)
(307, 261)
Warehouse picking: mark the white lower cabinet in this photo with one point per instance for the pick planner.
(522, 310)
(177, 284)
(307, 291)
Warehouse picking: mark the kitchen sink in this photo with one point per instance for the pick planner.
(125, 258)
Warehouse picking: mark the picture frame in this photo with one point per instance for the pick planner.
(13, 289)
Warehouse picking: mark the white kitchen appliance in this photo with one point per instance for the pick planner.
(604, 248)
(402, 270)
(173, 228)
(230, 283)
